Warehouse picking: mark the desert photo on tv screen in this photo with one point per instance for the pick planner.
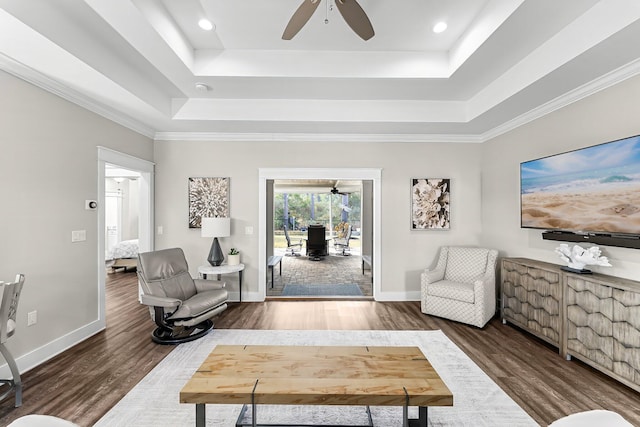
(593, 190)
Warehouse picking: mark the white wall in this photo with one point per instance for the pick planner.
(128, 193)
(133, 209)
(48, 168)
(405, 253)
(608, 115)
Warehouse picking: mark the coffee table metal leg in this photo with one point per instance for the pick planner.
(369, 416)
(405, 416)
(241, 416)
(200, 415)
(252, 421)
(253, 404)
(421, 421)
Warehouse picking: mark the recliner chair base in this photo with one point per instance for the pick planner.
(179, 335)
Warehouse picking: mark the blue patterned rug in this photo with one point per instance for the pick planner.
(321, 290)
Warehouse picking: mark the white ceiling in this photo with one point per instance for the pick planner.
(500, 64)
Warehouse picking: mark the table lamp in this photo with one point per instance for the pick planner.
(216, 227)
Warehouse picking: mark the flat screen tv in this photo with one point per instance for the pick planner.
(593, 190)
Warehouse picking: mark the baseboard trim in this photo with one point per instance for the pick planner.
(246, 297)
(398, 296)
(38, 356)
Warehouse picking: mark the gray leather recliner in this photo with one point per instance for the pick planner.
(181, 307)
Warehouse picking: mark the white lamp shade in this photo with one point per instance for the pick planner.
(216, 227)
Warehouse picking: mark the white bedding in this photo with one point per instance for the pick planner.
(125, 249)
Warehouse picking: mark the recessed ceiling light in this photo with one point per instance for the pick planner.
(439, 27)
(205, 24)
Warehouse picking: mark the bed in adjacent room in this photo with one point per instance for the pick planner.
(124, 255)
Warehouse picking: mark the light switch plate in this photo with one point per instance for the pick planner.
(32, 318)
(78, 236)
(248, 230)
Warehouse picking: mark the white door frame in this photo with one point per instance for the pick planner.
(145, 218)
(352, 174)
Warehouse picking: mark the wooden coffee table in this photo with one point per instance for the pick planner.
(312, 375)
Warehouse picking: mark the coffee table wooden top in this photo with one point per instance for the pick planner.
(311, 375)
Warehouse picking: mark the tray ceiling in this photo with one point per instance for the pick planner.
(147, 65)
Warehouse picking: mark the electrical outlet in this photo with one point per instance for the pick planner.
(32, 318)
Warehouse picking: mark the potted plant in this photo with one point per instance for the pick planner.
(233, 257)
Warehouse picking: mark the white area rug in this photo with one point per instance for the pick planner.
(478, 401)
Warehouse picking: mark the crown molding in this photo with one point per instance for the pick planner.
(605, 81)
(610, 79)
(44, 82)
(312, 137)
(48, 84)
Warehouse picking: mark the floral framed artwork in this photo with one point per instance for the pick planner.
(430, 203)
(209, 198)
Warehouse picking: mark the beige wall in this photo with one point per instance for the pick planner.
(48, 168)
(404, 253)
(608, 115)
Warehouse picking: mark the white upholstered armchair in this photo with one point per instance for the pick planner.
(462, 287)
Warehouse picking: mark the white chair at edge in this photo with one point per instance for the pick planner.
(8, 308)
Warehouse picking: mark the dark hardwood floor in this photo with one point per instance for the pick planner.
(82, 383)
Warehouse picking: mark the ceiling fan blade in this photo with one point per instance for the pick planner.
(299, 18)
(356, 18)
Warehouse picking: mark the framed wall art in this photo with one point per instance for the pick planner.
(209, 198)
(430, 203)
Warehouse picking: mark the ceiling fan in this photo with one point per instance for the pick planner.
(334, 190)
(350, 10)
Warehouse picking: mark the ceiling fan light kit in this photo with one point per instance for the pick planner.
(205, 24)
(353, 14)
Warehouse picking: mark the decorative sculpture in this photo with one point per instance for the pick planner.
(578, 257)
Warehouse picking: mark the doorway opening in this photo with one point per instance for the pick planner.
(317, 239)
(125, 215)
(369, 206)
(121, 215)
